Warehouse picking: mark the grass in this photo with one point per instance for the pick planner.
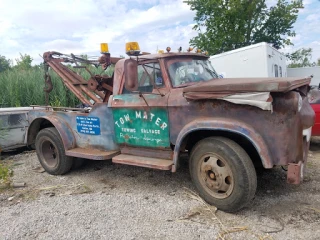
(209, 212)
(5, 175)
(20, 88)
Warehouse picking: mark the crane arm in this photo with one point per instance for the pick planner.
(96, 90)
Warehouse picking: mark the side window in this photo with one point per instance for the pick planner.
(276, 70)
(280, 71)
(149, 77)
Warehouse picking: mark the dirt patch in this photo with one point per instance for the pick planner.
(125, 202)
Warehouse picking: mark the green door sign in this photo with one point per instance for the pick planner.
(142, 128)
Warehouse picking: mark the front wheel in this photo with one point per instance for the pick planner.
(51, 152)
(223, 173)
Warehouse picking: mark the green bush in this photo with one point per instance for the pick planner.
(5, 174)
(24, 87)
(20, 88)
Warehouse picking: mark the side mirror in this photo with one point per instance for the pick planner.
(131, 75)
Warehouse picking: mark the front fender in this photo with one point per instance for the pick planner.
(61, 125)
(229, 126)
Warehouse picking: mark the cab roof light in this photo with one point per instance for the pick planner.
(132, 48)
(189, 49)
(104, 59)
(104, 48)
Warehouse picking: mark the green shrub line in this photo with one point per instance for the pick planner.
(22, 88)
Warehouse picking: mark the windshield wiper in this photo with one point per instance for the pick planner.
(211, 71)
(187, 84)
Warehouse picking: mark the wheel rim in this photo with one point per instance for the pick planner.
(216, 176)
(50, 153)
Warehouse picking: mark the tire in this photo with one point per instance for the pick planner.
(51, 152)
(223, 173)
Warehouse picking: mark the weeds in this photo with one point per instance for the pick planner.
(5, 175)
(24, 88)
(19, 88)
(209, 212)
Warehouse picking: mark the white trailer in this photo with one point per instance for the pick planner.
(306, 72)
(258, 60)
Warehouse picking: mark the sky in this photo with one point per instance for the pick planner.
(79, 26)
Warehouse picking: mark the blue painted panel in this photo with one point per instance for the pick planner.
(105, 140)
(88, 125)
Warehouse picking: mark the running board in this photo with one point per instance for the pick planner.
(93, 154)
(148, 162)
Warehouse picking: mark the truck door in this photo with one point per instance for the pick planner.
(141, 117)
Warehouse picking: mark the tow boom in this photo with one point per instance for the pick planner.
(96, 90)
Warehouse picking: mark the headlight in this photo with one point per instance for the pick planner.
(299, 103)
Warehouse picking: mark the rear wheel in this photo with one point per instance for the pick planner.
(223, 173)
(51, 152)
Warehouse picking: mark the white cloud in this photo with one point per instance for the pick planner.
(307, 2)
(80, 25)
(307, 29)
(313, 17)
(62, 45)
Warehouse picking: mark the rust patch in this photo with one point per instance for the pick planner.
(96, 89)
(295, 173)
(282, 127)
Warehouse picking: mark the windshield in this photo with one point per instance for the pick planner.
(185, 71)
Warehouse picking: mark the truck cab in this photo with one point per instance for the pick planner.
(163, 106)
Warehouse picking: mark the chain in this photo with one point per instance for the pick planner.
(48, 84)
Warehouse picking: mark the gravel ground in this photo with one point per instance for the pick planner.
(107, 201)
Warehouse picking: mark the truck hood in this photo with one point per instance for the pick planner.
(218, 88)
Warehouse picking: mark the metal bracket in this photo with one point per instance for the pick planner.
(295, 173)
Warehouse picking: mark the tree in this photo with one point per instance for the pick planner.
(4, 63)
(24, 62)
(224, 25)
(301, 58)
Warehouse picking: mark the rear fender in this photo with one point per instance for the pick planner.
(61, 125)
(224, 125)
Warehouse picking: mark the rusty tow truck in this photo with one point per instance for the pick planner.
(156, 108)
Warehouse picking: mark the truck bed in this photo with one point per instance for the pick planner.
(14, 124)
